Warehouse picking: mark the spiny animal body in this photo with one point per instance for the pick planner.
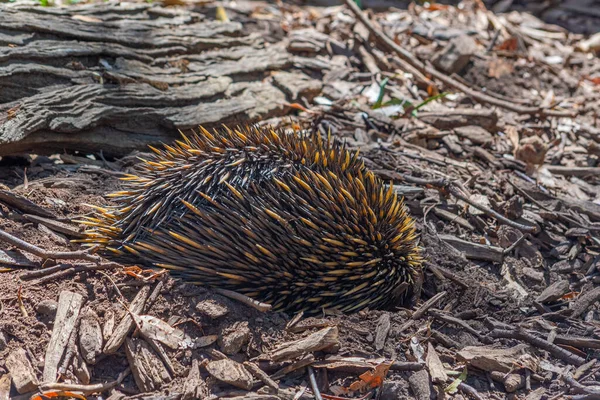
(292, 220)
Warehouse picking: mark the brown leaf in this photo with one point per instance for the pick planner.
(499, 67)
(371, 379)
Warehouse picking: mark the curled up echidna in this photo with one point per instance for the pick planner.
(293, 220)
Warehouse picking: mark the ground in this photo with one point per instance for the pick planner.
(505, 198)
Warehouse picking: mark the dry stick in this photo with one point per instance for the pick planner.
(427, 305)
(62, 270)
(86, 389)
(45, 254)
(470, 390)
(553, 349)
(313, 383)
(446, 185)
(406, 366)
(426, 69)
(264, 307)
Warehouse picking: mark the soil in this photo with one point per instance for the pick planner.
(508, 194)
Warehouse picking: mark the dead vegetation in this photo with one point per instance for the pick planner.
(485, 122)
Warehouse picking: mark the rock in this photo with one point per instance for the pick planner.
(232, 342)
(47, 308)
(212, 309)
(456, 55)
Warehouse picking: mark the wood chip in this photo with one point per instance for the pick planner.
(21, 371)
(554, 291)
(69, 230)
(434, 365)
(212, 309)
(194, 387)
(127, 324)
(5, 387)
(381, 331)
(15, 258)
(69, 304)
(231, 372)
(475, 251)
(90, 336)
(320, 340)
(148, 370)
(489, 358)
(21, 203)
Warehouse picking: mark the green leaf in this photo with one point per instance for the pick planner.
(381, 94)
(453, 387)
(429, 100)
(358, 3)
(45, 3)
(398, 102)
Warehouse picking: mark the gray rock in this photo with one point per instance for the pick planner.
(47, 308)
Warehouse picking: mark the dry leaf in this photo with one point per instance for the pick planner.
(499, 67)
(531, 150)
(510, 44)
(58, 393)
(371, 379)
(156, 329)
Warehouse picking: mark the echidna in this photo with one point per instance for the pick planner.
(293, 220)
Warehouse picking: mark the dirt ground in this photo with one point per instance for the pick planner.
(507, 209)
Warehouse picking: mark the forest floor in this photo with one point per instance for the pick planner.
(486, 123)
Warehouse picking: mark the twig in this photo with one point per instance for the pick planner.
(313, 383)
(86, 389)
(579, 388)
(427, 305)
(470, 390)
(406, 366)
(260, 374)
(553, 349)
(244, 299)
(447, 80)
(61, 270)
(459, 322)
(447, 186)
(45, 254)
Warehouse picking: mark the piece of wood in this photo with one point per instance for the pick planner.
(475, 251)
(5, 381)
(120, 84)
(15, 259)
(434, 365)
(69, 304)
(381, 331)
(126, 325)
(194, 387)
(260, 374)
(90, 336)
(21, 371)
(148, 370)
(231, 372)
(21, 203)
(55, 226)
(320, 340)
